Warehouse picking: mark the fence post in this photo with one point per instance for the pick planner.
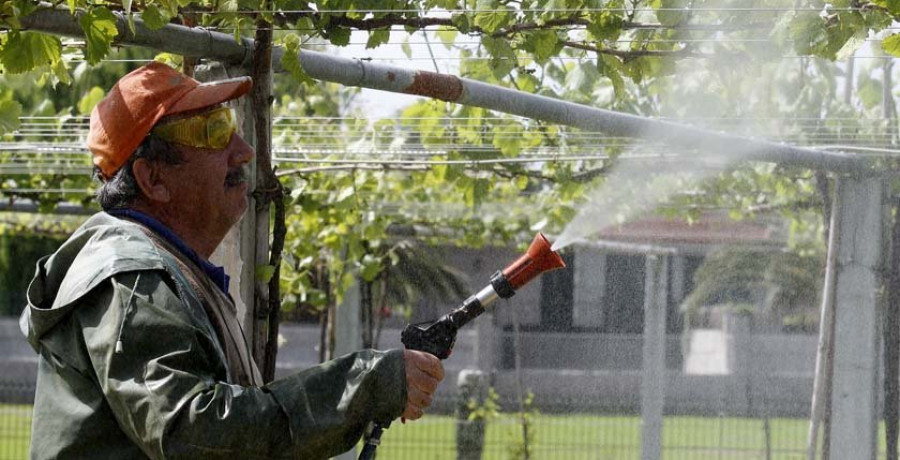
(653, 375)
(858, 285)
(469, 433)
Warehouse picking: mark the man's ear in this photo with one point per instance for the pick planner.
(149, 179)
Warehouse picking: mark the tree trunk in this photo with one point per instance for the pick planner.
(366, 305)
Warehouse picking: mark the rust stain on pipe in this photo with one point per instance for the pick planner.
(439, 86)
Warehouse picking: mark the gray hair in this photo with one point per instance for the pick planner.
(122, 189)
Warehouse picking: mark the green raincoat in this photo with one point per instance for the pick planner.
(131, 367)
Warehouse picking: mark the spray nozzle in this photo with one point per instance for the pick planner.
(538, 259)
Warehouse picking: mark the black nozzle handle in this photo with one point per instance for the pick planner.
(501, 286)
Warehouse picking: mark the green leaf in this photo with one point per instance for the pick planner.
(809, 34)
(378, 38)
(10, 111)
(891, 45)
(672, 13)
(508, 138)
(407, 51)
(89, 100)
(610, 67)
(503, 57)
(369, 267)
(339, 36)
(264, 273)
(23, 51)
(605, 26)
(290, 60)
(477, 191)
(521, 182)
(154, 18)
(62, 72)
(582, 78)
(497, 16)
(893, 6)
(445, 4)
(462, 22)
(543, 43)
(99, 26)
(447, 36)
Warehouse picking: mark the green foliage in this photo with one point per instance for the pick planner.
(786, 283)
(891, 45)
(487, 410)
(339, 219)
(99, 26)
(10, 111)
(23, 51)
(524, 444)
(19, 251)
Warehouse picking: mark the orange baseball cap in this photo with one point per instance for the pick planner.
(138, 100)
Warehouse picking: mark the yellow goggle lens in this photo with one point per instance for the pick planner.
(210, 130)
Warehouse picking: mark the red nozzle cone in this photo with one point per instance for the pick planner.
(538, 259)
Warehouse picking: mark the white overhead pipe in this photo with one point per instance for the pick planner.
(199, 42)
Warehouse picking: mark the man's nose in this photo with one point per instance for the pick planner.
(241, 151)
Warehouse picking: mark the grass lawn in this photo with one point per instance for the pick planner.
(604, 437)
(573, 437)
(15, 429)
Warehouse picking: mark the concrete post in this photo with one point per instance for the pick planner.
(856, 334)
(469, 433)
(653, 377)
(238, 251)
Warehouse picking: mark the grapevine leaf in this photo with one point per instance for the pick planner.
(544, 44)
(154, 18)
(10, 111)
(23, 51)
(496, 17)
(378, 38)
(891, 45)
(407, 51)
(89, 100)
(264, 273)
(369, 267)
(339, 36)
(447, 36)
(445, 4)
(290, 60)
(672, 13)
(99, 26)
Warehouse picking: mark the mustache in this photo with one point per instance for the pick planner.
(236, 176)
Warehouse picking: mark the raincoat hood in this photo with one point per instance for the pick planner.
(80, 264)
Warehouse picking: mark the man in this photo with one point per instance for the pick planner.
(141, 354)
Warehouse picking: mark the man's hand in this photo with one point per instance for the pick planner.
(423, 374)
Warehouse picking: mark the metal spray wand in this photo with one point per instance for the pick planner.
(438, 337)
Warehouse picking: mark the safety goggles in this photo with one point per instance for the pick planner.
(209, 130)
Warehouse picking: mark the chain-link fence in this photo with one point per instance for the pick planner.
(549, 436)
(756, 409)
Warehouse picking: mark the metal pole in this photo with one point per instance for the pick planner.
(350, 72)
